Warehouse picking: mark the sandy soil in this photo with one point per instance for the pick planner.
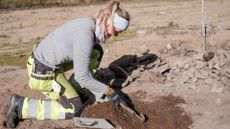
(208, 110)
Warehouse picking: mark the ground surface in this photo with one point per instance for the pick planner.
(156, 24)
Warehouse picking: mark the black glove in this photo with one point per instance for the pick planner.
(115, 97)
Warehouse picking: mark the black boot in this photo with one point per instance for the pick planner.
(79, 105)
(15, 111)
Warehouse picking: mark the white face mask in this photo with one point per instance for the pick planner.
(120, 22)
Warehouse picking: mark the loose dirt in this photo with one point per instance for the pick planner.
(162, 113)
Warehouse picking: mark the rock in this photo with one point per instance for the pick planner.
(172, 75)
(199, 65)
(175, 45)
(210, 65)
(208, 56)
(182, 105)
(223, 52)
(143, 50)
(141, 32)
(217, 72)
(150, 65)
(146, 75)
(136, 74)
(175, 52)
(222, 72)
(208, 81)
(169, 78)
(186, 66)
(189, 51)
(225, 80)
(163, 51)
(199, 75)
(198, 56)
(180, 63)
(158, 77)
(190, 72)
(228, 71)
(191, 86)
(194, 79)
(184, 52)
(157, 62)
(163, 69)
(162, 62)
(141, 68)
(173, 66)
(183, 79)
(205, 73)
(213, 75)
(169, 46)
(217, 87)
(222, 60)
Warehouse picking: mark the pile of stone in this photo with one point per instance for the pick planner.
(209, 69)
(177, 49)
(190, 69)
(195, 71)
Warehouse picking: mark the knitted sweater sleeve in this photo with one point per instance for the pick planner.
(82, 48)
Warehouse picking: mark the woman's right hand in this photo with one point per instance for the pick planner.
(115, 97)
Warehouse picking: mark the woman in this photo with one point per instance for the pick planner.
(73, 45)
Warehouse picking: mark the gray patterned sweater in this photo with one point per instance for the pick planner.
(74, 42)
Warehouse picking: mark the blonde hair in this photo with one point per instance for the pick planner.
(108, 12)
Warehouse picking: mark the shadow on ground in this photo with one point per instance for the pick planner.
(116, 75)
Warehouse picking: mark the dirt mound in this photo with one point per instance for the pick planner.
(163, 113)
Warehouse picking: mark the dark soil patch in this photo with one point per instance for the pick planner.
(161, 114)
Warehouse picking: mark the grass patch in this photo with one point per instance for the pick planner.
(23, 4)
(165, 30)
(14, 4)
(18, 57)
(170, 29)
(128, 34)
(12, 60)
(194, 27)
(3, 45)
(4, 36)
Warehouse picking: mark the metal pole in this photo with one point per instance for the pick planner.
(203, 27)
(205, 38)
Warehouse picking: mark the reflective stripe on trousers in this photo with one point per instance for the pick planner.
(43, 109)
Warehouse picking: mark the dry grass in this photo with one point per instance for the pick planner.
(17, 54)
(12, 4)
(128, 34)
